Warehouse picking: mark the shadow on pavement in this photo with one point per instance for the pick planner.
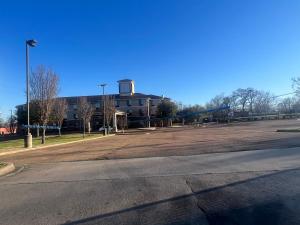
(267, 199)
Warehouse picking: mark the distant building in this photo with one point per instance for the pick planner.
(4, 130)
(7, 130)
(127, 102)
(135, 105)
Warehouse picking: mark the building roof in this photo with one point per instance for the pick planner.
(95, 98)
(118, 96)
(125, 80)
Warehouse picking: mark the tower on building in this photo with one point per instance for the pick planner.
(126, 87)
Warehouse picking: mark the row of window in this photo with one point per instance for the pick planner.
(129, 113)
(141, 102)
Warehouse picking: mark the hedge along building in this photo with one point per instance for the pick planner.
(133, 106)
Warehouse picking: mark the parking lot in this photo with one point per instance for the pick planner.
(204, 175)
(179, 141)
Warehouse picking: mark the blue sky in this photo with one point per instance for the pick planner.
(187, 50)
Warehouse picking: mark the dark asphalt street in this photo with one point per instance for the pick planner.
(251, 187)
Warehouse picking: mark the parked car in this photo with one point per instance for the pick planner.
(109, 128)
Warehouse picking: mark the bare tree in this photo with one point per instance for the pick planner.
(85, 112)
(1, 122)
(264, 102)
(12, 124)
(59, 110)
(296, 85)
(245, 98)
(43, 90)
(233, 102)
(287, 105)
(242, 97)
(110, 109)
(217, 102)
(251, 98)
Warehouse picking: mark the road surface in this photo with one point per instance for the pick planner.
(246, 187)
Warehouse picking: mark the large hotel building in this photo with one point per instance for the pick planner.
(127, 102)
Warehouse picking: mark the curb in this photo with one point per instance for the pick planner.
(288, 130)
(10, 167)
(49, 146)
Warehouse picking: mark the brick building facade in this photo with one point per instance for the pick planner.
(135, 105)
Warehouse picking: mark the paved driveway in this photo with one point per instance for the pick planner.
(170, 142)
(249, 187)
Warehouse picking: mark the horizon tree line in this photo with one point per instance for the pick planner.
(245, 102)
(47, 108)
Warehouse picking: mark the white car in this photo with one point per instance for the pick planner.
(102, 129)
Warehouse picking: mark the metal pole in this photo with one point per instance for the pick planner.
(103, 100)
(103, 107)
(27, 87)
(28, 138)
(148, 112)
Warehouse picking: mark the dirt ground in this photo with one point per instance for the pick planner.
(169, 142)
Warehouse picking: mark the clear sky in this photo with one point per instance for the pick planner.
(187, 50)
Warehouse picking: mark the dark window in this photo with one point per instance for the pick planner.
(141, 112)
(141, 102)
(97, 106)
(129, 112)
(128, 102)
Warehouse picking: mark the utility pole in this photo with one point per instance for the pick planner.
(11, 123)
(103, 86)
(28, 137)
(148, 111)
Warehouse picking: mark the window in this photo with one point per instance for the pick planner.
(141, 112)
(128, 102)
(129, 112)
(125, 88)
(97, 106)
(141, 102)
(117, 103)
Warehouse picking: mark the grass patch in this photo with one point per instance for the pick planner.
(2, 164)
(50, 140)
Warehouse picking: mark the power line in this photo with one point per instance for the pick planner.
(285, 94)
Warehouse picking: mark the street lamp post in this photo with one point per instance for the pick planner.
(148, 111)
(103, 86)
(28, 137)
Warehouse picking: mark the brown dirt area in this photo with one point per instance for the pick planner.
(170, 142)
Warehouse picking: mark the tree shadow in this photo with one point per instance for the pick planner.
(233, 203)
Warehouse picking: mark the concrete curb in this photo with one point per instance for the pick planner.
(288, 130)
(10, 167)
(49, 146)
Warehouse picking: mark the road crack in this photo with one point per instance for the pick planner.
(203, 211)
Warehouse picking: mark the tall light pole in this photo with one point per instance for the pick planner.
(148, 111)
(11, 121)
(103, 86)
(28, 137)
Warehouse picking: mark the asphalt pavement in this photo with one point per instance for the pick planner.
(249, 187)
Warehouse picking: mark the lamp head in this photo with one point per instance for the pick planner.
(31, 43)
